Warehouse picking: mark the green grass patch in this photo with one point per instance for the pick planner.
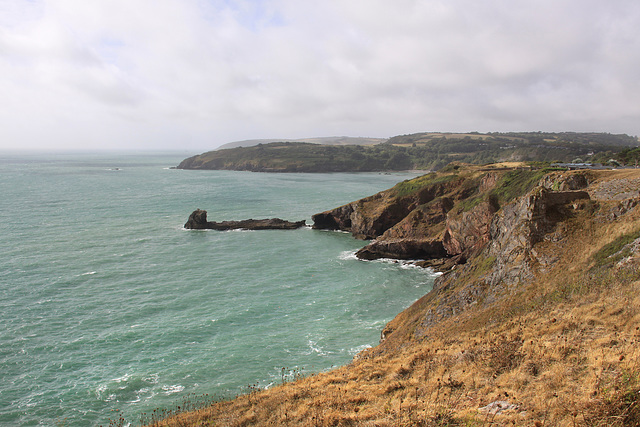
(467, 204)
(613, 252)
(411, 186)
(516, 183)
(484, 265)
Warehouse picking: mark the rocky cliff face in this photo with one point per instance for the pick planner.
(506, 254)
(451, 215)
(400, 219)
(438, 216)
(487, 223)
(506, 247)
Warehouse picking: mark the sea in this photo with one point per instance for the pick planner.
(110, 309)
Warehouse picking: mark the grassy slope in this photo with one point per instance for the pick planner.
(561, 349)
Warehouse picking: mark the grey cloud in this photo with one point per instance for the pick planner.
(216, 71)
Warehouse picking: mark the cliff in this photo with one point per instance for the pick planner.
(535, 322)
(441, 218)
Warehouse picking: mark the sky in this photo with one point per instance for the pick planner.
(195, 74)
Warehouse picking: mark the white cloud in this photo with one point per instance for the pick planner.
(198, 73)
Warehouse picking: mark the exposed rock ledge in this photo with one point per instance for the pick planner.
(198, 221)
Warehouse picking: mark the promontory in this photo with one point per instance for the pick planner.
(198, 221)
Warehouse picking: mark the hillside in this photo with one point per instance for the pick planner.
(535, 322)
(302, 157)
(424, 151)
(329, 140)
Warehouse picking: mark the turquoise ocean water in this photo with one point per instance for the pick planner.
(108, 306)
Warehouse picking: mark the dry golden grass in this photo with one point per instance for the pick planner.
(561, 350)
(576, 364)
(509, 165)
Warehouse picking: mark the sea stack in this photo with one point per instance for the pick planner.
(198, 221)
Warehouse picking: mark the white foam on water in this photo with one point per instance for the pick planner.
(315, 348)
(359, 349)
(347, 255)
(121, 379)
(171, 389)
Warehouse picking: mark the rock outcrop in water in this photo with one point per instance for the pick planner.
(198, 221)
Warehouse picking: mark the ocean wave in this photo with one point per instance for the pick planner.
(123, 378)
(332, 231)
(171, 389)
(347, 255)
(376, 325)
(88, 273)
(407, 265)
(127, 388)
(356, 350)
(315, 348)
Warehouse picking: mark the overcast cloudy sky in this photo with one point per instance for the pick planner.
(195, 74)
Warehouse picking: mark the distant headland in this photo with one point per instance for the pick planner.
(420, 151)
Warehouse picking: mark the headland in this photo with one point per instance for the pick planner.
(534, 321)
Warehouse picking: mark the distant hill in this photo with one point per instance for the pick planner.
(329, 140)
(425, 151)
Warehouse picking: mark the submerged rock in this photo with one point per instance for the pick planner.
(198, 221)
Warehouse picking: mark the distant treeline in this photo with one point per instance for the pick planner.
(427, 151)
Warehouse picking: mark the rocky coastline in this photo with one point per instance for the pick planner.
(534, 321)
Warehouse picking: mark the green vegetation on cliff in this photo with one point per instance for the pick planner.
(435, 150)
(426, 151)
(302, 157)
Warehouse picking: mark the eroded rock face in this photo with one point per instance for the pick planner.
(419, 223)
(517, 227)
(509, 254)
(413, 237)
(369, 224)
(198, 221)
(371, 217)
(570, 182)
(405, 227)
(336, 219)
(468, 233)
(365, 219)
